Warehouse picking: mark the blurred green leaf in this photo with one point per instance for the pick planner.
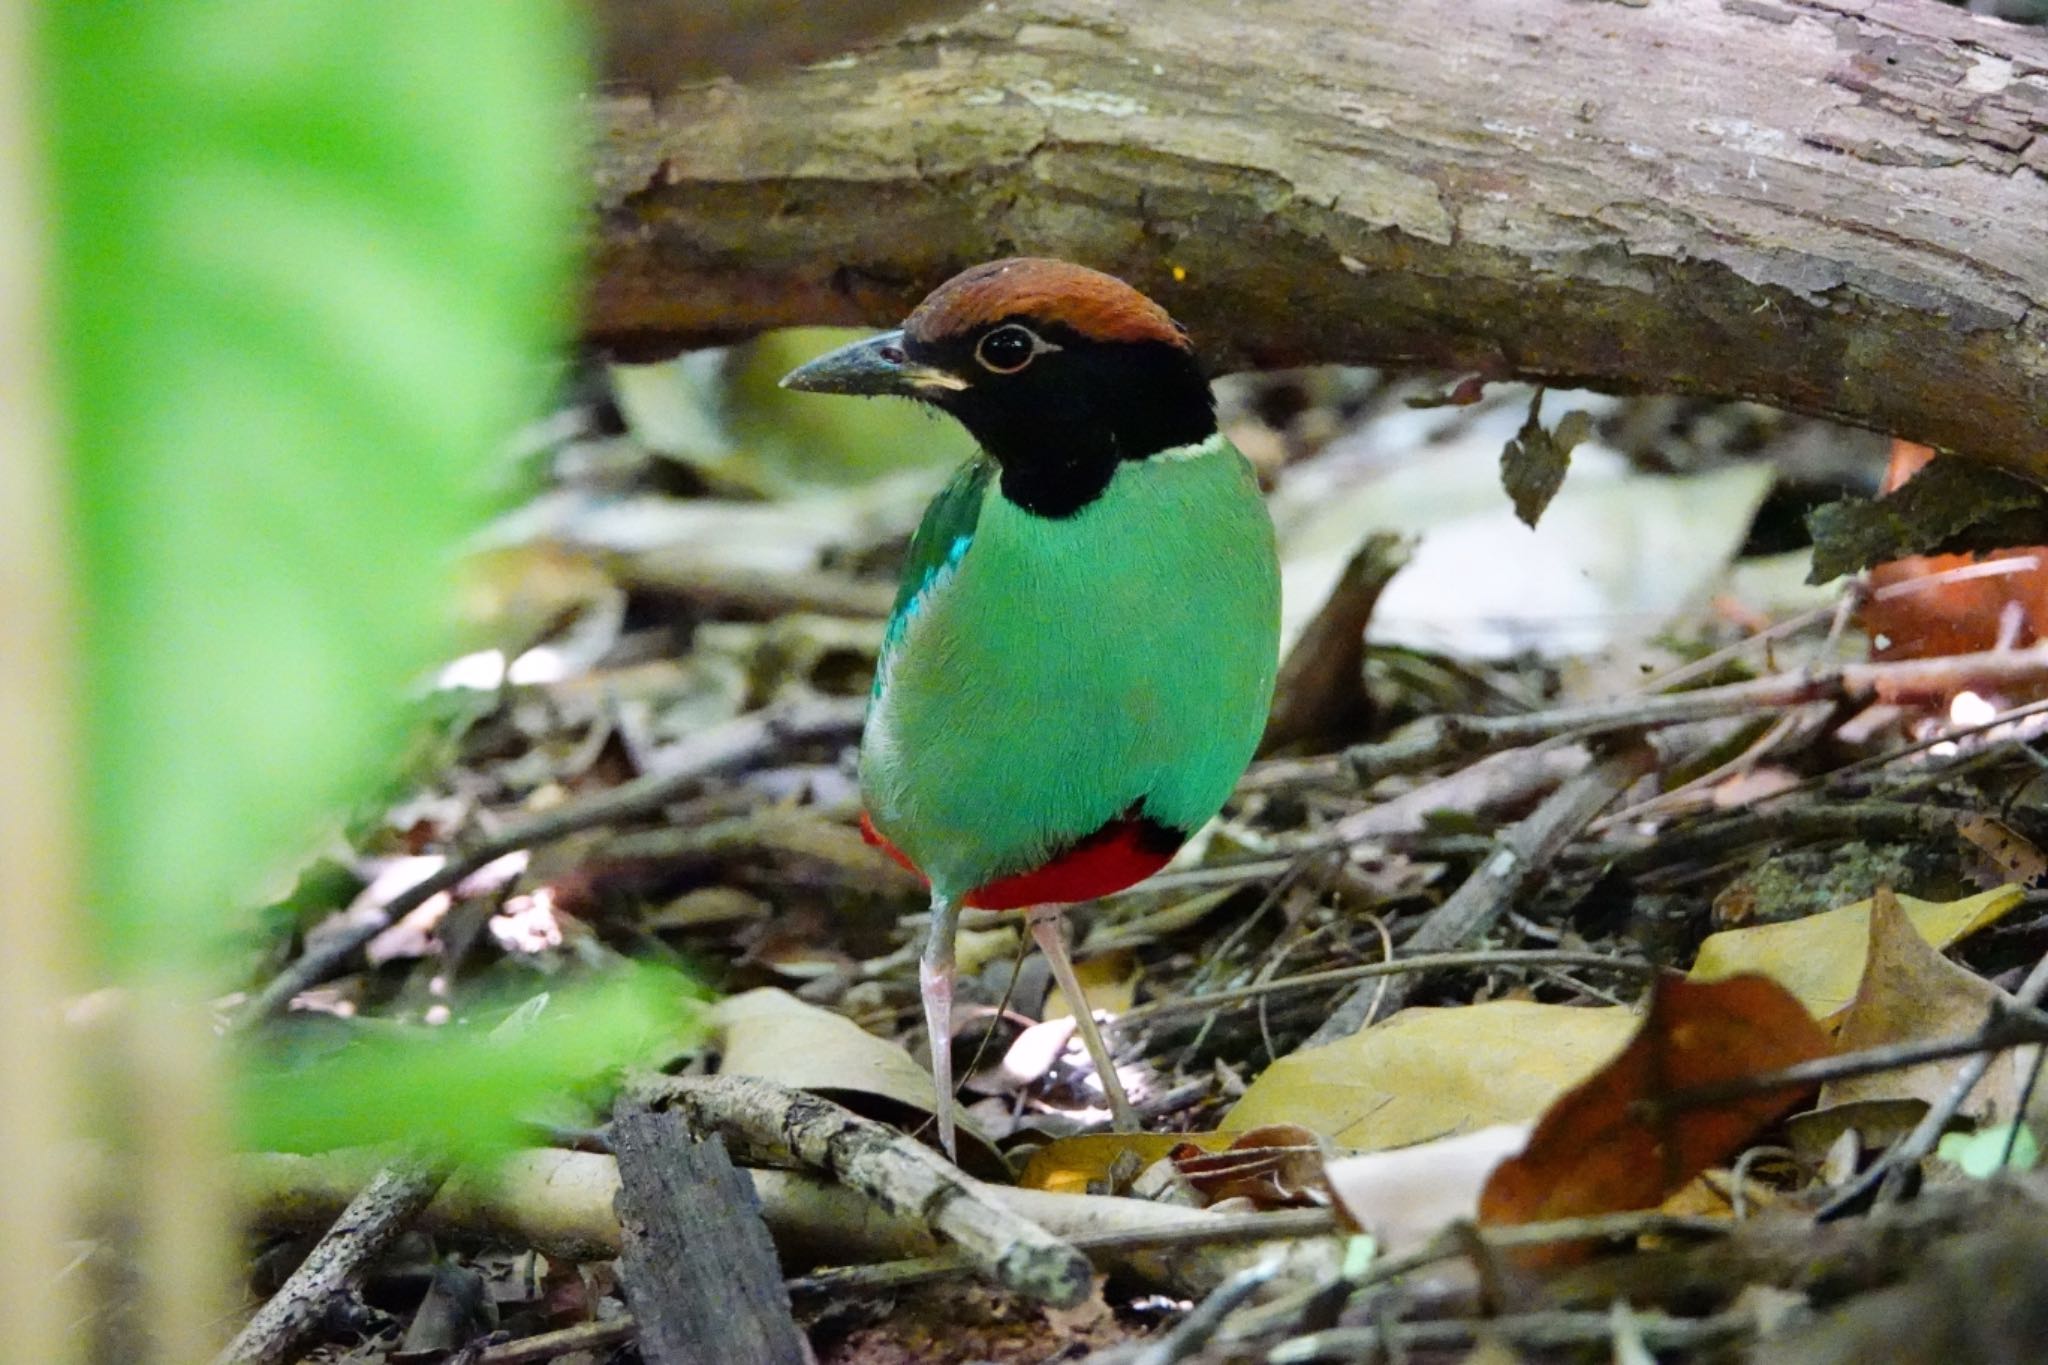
(1982, 1154)
(308, 255)
(725, 413)
(466, 1088)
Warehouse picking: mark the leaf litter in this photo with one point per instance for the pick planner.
(675, 582)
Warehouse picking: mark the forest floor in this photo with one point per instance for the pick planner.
(1446, 1036)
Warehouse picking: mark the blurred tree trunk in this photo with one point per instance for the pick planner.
(1836, 206)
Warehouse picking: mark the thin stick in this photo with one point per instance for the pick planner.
(1418, 962)
(1048, 928)
(1885, 1178)
(735, 744)
(584, 1336)
(370, 1223)
(1428, 742)
(1228, 1230)
(2009, 1031)
(1520, 856)
(1556, 1328)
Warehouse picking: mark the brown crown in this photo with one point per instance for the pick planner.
(1098, 306)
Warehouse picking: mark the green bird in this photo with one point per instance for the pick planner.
(1081, 655)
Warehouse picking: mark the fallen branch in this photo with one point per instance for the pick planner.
(1324, 181)
(560, 1203)
(371, 1222)
(736, 744)
(695, 1261)
(765, 1121)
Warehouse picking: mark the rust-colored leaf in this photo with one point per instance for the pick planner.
(1600, 1150)
(1278, 1166)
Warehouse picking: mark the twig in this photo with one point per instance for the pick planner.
(1874, 821)
(732, 745)
(890, 1276)
(1419, 962)
(1194, 1331)
(1217, 1231)
(1431, 741)
(727, 591)
(370, 1223)
(1559, 1327)
(770, 1121)
(584, 1336)
(1520, 856)
(2010, 1030)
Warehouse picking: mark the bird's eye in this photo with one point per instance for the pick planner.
(1009, 348)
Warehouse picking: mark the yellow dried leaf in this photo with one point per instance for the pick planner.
(1820, 958)
(1110, 982)
(1069, 1165)
(1428, 1073)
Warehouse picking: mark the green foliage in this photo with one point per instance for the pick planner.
(464, 1089)
(306, 253)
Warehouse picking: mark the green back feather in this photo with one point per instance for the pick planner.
(1043, 675)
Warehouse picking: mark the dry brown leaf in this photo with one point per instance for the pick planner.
(1820, 958)
(1956, 617)
(1911, 993)
(1430, 1073)
(1593, 1152)
(1279, 1166)
(2012, 851)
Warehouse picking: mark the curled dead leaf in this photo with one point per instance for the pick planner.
(1606, 1148)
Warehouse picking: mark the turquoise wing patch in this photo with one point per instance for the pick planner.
(941, 541)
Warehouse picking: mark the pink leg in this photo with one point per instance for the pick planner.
(1047, 926)
(935, 980)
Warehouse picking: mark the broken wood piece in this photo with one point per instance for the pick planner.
(899, 1173)
(1320, 692)
(695, 1258)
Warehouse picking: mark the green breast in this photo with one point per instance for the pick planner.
(1055, 672)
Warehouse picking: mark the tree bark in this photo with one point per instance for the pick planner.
(1834, 206)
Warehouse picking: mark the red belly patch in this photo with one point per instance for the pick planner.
(1122, 853)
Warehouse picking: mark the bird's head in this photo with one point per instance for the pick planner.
(1060, 372)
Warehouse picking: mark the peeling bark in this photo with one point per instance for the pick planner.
(1834, 206)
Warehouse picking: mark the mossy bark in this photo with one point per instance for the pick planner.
(1835, 206)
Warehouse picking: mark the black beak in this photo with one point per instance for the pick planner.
(877, 365)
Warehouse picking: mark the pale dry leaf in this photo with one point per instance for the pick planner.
(1403, 1197)
(771, 1034)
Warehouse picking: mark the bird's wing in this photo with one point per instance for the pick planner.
(941, 539)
